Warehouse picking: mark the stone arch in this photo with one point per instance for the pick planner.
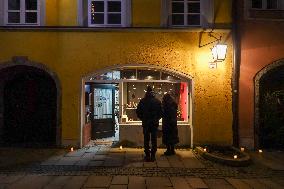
(257, 85)
(24, 62)
(150, 66)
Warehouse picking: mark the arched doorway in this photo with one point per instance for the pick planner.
(29, 98)
(110, 96)
(270, 123)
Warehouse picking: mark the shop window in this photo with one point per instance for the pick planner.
(133, 92)
(185, 13)
(108, 13)
(22, 12)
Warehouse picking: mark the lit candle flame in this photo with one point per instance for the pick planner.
(260, 151)
(235, 156)
(205, 149)
(120, 147)
(242, 149)
(72, 149)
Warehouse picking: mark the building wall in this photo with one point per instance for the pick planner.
(73, 53)
(261, 45)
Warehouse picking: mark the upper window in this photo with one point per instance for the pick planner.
(22, 12)
(265, 4)
(185, 13)
(107, 13)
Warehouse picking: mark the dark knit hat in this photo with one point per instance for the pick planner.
(149, 89)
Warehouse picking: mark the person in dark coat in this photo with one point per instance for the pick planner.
(169, 124)
(149, 110)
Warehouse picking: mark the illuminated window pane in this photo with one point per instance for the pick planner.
(128, 74)
(97, 6)
(97, 18)
(148, 75)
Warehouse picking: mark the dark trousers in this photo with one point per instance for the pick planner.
(150, 133)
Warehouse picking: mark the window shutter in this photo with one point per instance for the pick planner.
(128, 13)
(1, 13)
(165, 13)
(207, 13)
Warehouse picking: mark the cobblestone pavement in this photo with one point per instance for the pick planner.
(112, 168)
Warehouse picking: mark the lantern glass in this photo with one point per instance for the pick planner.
(219, 52)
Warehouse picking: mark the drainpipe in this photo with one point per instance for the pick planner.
(236, 70)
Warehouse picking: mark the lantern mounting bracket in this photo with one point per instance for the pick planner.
(210, 34)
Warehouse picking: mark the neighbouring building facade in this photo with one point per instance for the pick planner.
(71, 71)
(261, 83)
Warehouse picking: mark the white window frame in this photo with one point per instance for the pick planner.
(123, 14)
(264, 5)
(185, 14)
(22, 12)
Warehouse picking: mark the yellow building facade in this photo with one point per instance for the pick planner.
(71, 52)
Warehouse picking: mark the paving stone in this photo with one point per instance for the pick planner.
(179, 183)
(92, 150)
(31, 181)
(96, 163)
(67, 161)
(270, 183)
(185, 153)
(58, 181)
(4, 179)
(196, 182)
(120, 180)
(163, 163)
(149, 164)
(118, 187)
(254, 183)
(99, 157)
(75, 182)
(98, 181)
(4, 186)
(136, 182)
(76, 153)
(158, 182)
(192, 163)
(83, 162)
(175, 161)
(218, 183)
(88, 156)
(279, 181)
(238, 183)
(134, 164)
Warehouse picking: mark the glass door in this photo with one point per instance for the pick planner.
(103, 119)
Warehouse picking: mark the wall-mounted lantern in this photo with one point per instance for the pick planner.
(219, 52)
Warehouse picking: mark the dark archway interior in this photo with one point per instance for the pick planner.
(29, 107)
(271, 130)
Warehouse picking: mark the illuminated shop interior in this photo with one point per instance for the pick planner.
(112, 97)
